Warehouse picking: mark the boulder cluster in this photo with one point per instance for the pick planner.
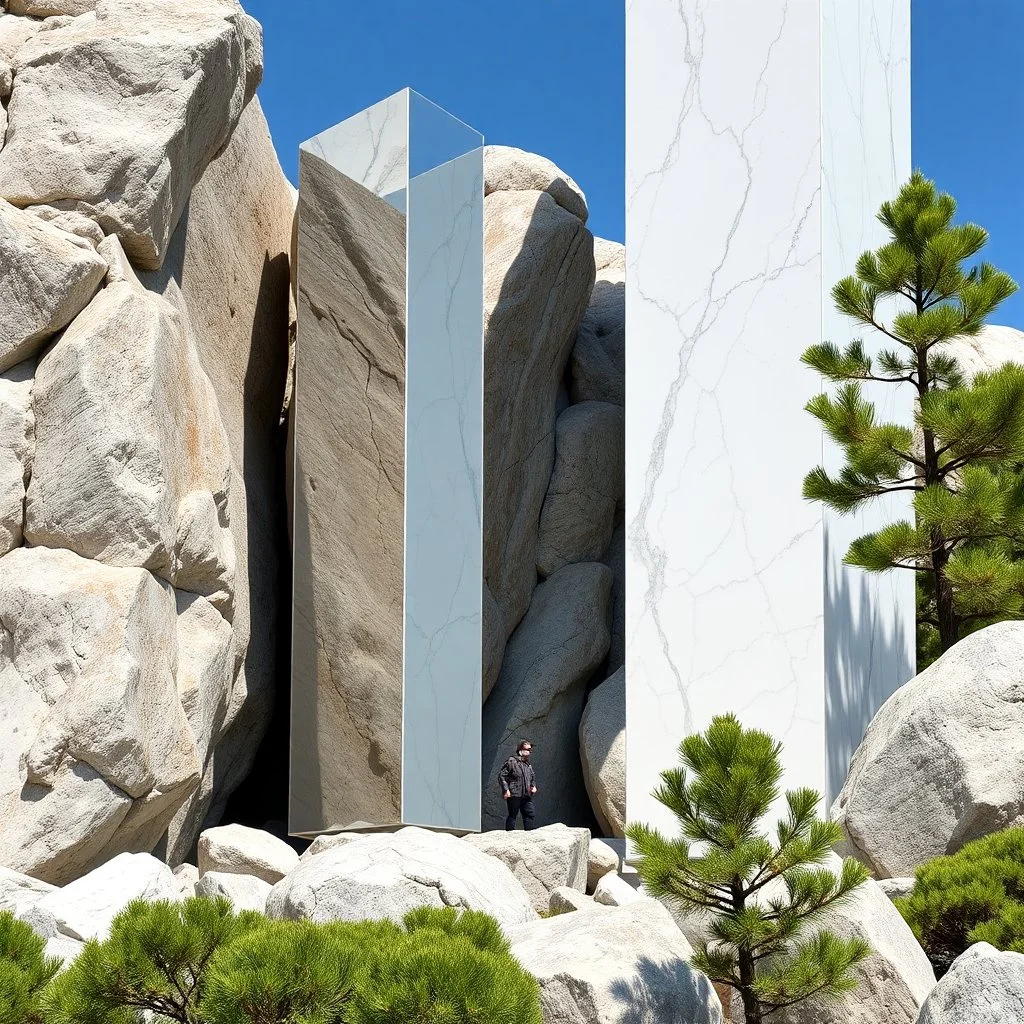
(145, 226)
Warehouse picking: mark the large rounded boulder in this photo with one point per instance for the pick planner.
(383, 876)
(942, 762)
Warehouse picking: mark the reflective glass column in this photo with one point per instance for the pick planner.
(388, 433)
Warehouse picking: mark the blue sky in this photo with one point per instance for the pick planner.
(546, 75)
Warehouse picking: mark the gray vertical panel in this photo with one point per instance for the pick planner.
(444, 487)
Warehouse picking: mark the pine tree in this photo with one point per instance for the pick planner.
(760, 893)
(25, 971)
(155, 961)
(963, 466)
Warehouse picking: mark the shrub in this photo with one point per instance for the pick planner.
(293, 971)
(728, 783)
(155, 960)
(480, 929)
(973, 895)
(25, 971)
(433, 976)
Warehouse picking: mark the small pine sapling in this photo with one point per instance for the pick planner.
(760, 893)
(25, 971)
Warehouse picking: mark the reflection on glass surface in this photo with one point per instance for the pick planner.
(386, 659)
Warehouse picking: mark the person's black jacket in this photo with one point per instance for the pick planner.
(517, 777)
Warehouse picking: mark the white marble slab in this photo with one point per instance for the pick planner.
(725, 605)
(443, 497)
(371, 147)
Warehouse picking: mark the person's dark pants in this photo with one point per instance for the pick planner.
(519, 805)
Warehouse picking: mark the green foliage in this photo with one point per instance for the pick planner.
(25, 971)
(436, 976)
(293, 971)
(760, 891)
(965, 471)
(155, 959)
(973, 895)
(480, 929)
(199, 963)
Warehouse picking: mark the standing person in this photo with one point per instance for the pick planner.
(518, 786)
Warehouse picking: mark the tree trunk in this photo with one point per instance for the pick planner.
(751, 1004)
(945, 615)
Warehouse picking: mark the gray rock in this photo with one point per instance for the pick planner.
(896, 888)
(383, 876)
(983, 986)
(538, 274)
(98, 753)
(507, 169)
(597, 364)
(246, 892)
(627, 964)
(541, 691)
(892, 982)
(587, 486)
(85, 908)
(18, 892)
(328, 842)
(543, 859)
(51, 8)
(615, 559)
(17, 443)
(564, 900)
(186, 876)
(603, 752)
(613, 891)
(131, 465)
(987, 350)
(226, 272)
(47, 277)
(601, 859)
(150, 92)
(245, 851)
(942, 760)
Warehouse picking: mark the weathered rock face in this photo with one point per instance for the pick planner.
(17, 431)
(586, 487)
(538, 275)
(246, 892)
(98, 753)
(943, 759)
(892, 982)
(597, 364)
(382, 877)
(131, 464)
(85, 908)
(508, 169)
(158, 395)
(246, 851)
(601, 859)
(987, 350)
(603, 752)
(226, 271)
(541, 691)
(176, 75)
(47, 276)
(543, 859)
(624, 964)
(19, 892)
(983, 984)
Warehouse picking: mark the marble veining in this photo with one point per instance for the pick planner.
(443, 513)
(371, 147)
(725, 605)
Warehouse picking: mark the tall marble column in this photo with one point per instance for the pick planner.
(761, 136)
(388, 536)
